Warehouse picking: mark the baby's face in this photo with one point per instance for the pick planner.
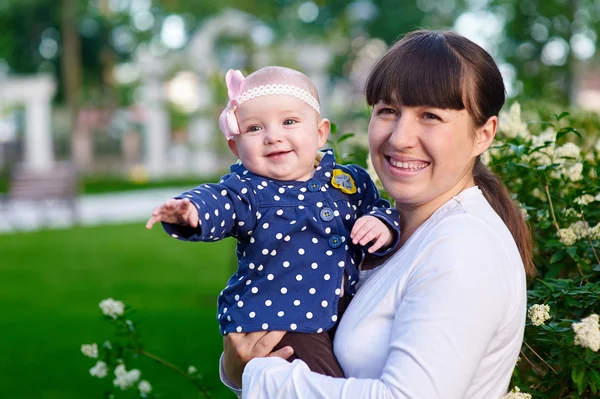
(279, 137)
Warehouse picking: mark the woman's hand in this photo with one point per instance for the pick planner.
(240, 348)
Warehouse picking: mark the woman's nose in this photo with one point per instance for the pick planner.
(404, 133)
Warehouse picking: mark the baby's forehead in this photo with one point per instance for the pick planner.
(279, 75)
(280, 104)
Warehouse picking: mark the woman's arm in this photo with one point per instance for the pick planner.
(446, 316)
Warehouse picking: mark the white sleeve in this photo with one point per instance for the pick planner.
(448, 313)
(226, 381)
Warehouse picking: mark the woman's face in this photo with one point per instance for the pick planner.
(423, 155)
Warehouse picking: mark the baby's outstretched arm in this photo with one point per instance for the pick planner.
(371, 229)
(177, 211)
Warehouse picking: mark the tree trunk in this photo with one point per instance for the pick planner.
(71, 77)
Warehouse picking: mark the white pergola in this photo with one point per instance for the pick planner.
(201, 56)
(36, 93)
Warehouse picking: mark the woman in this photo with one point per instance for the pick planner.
(444, 316)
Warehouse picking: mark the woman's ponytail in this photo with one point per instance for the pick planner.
(499, 198)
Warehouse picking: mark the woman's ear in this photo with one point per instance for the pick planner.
(233, 147)
(323, 131)
(485, 135)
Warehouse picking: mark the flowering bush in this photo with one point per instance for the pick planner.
(123, 350)
(556, 183)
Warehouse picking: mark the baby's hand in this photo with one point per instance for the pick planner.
(177, 211)
(368, 229)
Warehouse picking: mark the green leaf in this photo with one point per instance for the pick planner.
(558, 255)
(562, 115)
(581, 385)
(572, 251)
(595, 376)
(345, 137)
(564, 131)
(334, 129)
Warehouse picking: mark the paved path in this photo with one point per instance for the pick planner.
(93, 209)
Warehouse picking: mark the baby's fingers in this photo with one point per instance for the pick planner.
(152, 221)
(380, 242)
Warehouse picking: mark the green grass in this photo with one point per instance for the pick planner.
(52, 281)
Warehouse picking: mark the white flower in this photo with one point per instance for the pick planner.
(539, 194)
(595, 232)
(567, 150)
(112, 308)
(567, 236)
(538, 314)
(125, 379)
(511, 124)
(516, 394)
(584, 199)
(546, 139)
(587, 333)
(192, 370)
(90, 350)
(486, 158)
(574, 173)
(145, 387)
(580, 229)
(523, 211)
(99, 370)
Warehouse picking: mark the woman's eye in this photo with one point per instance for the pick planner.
(429, 115)
(289, 122)
(386, 111)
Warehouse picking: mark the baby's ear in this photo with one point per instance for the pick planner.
(233, 147)
(323, 131)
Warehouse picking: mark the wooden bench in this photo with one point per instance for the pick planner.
(54, 186)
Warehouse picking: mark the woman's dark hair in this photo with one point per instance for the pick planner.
(446, 70)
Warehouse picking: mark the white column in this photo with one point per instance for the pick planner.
(156, 118)
(156, 127)
(314, 60)
(37, 93)
(38, 137)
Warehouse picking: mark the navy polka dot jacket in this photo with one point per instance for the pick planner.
(293, 243)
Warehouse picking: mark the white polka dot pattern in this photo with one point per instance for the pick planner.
(289, 272)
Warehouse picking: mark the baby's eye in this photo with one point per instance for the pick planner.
(253, 128)
(289, 122)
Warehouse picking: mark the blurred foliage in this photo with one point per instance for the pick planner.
(553, 174)
(534, 26)
(530, 26)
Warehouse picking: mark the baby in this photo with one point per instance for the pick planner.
(300, 219)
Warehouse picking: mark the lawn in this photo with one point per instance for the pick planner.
(52, 282)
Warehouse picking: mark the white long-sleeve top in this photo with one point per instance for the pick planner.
(442, 318)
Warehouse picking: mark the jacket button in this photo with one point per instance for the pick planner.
(326, 214)
(335, 241)
(313, 185)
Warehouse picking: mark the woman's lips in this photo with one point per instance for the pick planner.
(409, 166)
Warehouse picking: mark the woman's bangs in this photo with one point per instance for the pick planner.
(422, 72)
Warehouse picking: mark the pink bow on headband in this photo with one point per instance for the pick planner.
(235, 86)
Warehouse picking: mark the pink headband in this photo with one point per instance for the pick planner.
(237, 96)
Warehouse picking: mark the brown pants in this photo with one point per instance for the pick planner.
(316, 350)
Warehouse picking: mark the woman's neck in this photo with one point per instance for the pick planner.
(413, 216)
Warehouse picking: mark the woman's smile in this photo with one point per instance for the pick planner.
(407, 166)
